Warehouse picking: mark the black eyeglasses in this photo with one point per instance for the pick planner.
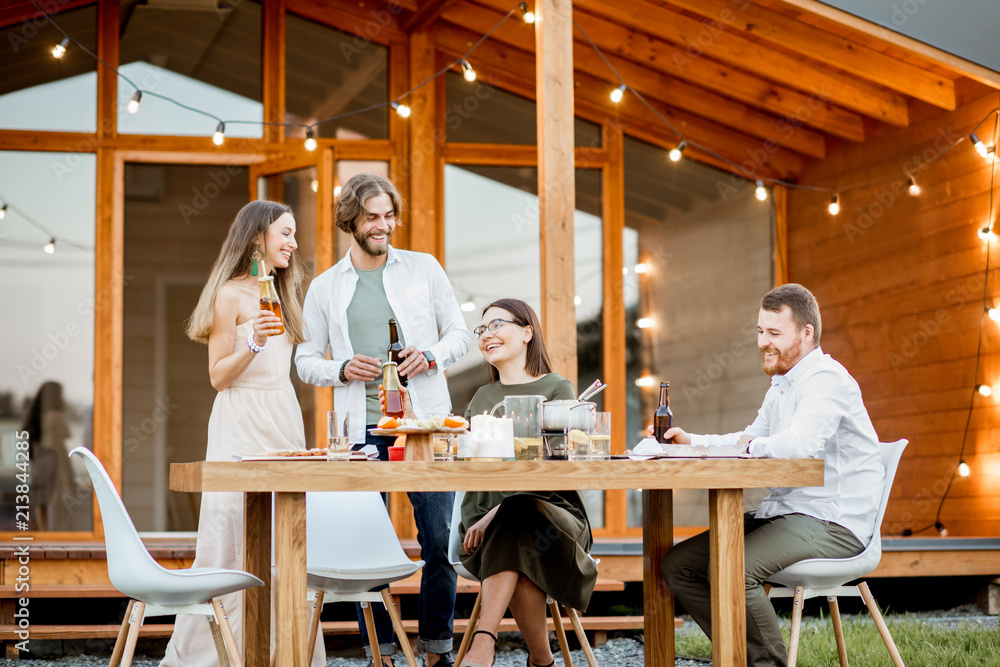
(494, 326)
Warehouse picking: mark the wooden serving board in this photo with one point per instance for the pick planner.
(419, 441)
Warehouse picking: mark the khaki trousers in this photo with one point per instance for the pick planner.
(771, 545)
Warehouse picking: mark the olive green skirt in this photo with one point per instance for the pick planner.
(544, 535)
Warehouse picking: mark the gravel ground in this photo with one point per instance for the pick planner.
(626, 651)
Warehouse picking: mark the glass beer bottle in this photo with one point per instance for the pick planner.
(269, 300)
(390, 385)
(663, 416)
(395, 347)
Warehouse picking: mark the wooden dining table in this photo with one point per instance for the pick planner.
(725, 479)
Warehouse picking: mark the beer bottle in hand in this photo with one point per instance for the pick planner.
(663, 416)
(269, 300)
(395, 347)
(390, 385)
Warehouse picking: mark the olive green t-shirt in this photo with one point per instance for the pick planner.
(552, 386)
(368, 318)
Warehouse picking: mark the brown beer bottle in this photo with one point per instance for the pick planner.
(390, 385)
(395, 347)
(269, 300)
(663, 416)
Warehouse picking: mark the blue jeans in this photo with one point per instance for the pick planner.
(436, 605)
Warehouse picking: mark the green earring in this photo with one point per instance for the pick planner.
(256, 257)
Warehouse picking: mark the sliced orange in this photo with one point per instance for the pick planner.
(400, 441)
(452, 421)
(388, 422)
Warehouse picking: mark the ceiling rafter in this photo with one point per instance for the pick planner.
(829, 49)
(712, 39)
(425, 16)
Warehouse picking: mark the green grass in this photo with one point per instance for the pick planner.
(921, 644)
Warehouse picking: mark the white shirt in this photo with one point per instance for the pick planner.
(815, 411)
(426, 309)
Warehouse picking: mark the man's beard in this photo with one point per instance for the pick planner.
(369, 247)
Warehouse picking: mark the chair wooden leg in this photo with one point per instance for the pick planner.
(116, 654)
(581, 635)
(463, 648)
(838, 629)
(220, 643)
(793, 640)
(372, 637)
(232, 647)
(134, 623)
(397, 623)
(560, 632)
(314, 624)
(883, 630)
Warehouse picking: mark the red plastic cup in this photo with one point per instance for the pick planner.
(396, 453)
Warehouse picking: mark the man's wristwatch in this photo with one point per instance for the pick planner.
(430, 359)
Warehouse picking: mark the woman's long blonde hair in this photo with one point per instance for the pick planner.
(234, 261)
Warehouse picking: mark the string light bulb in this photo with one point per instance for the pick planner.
(468, 72)
(761, 192)
(644, 322)
(642, 267)
(468, 306)
(981, 148)
(50, 247)
(678, 151)
(220, 134)
(314, 185)
(942, 531)
(834, 207)
(402, 110)
(577, 300)
(963, 469)
(984, 390)
(985, 232)
(336, 191)
(618, 93)
(912, 187)
(3, 211)
(59, 50)
(310, 139)
(645, 381)
(993, 314)
(133, 104)
(526, 16)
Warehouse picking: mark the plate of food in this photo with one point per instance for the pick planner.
(401, 426)
(297, 455)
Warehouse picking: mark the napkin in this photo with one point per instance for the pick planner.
(648, 446)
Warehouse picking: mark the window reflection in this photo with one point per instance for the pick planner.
(705, 263)
(46, 370)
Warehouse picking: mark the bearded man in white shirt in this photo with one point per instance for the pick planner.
(347, 310)
(812, 410)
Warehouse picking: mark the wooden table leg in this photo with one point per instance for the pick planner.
(257, 561)
(727, 572)
(658, 602)
(290, 589)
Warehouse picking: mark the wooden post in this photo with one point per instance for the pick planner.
(422, 163)
(107, 81)
(257, 600)
(556, 178)
(273, 75)
(657, 600)
(726, 564)
(780, 235)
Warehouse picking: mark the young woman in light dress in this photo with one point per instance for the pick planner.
(255, 410)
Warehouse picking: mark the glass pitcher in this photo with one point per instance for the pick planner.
(526, 413)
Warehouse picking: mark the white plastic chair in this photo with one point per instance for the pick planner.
(827, 576)
(152, 589)
(454, 544)
(351, 548)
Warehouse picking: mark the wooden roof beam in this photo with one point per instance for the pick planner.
(425, 16)
(649, 82)
(373, 20)
(788, 104)
(513, 70)
(712, 39)
(827, 48)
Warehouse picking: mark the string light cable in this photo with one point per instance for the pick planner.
(962, 468)
(52, 239)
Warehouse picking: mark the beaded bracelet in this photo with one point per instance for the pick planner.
(254, 347)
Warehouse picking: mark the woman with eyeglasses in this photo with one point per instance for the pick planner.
(522, 546)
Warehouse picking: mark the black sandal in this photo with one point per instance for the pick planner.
(467, 663)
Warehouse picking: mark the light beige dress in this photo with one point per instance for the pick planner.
(256, 414)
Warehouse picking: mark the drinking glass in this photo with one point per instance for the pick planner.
(444, 447)
(600, 438)
(338, 446)
(526, 414)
